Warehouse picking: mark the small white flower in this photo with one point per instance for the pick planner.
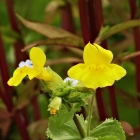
(73, 81)
(27, 63)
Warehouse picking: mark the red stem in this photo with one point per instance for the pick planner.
(67, 18)
(101, 105)
(17, 116)
(6, 101)
(93, 7)
(84, 20)
(113, 102)
(92, 20)
(25, 114)
(35, 108)
(95, 13)
(21, 126)
(4, 69)
(136, 30)
(137, 42)
(19, 44)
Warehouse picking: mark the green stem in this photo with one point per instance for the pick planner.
(77, 123)
(79, 127)
(90, 114)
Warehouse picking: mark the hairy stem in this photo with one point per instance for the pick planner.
(77, 123)
(90, 114)
(79, 127)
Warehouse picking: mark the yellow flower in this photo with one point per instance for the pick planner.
(33, 68)
(97, 70)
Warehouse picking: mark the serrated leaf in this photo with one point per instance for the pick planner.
(108, 128)
(65, 131)
(107, 138)
(68, 131)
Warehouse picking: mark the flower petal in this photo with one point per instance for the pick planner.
(18, 75)
(94, 77)
(76, 71)
(118, 71)
(44, 75)
(95, 54)
(32, 73)
(37, 57)
(102, 76)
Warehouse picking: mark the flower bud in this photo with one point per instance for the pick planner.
(55, 105)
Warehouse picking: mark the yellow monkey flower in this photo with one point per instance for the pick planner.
(33, 68)
(97, 69)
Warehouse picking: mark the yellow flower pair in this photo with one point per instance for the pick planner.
(33, 68)
(96, 71)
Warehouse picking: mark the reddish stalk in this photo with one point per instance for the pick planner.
(84, 20)
(35, 108)
(113, 102)
(19, 44)
(21, 126)
(101, 105)
(92, 20)
(3, 95)
(137, 42)
(98, 17)
(4, 69)
(67, 18)
(6, 101)
(25, 114)
(136, 31)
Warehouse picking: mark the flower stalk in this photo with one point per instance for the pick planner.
(79, 127)
(77, 123)
(90, 114)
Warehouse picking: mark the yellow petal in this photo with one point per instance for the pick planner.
(32, 73)
(95, 77)
(95, 54)
(118, 71)
(77, 71)
(44, 75)
(37, 57)
(102, 75)
(18, 75)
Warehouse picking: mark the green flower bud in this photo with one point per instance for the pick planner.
(74, 95)
(55, 105)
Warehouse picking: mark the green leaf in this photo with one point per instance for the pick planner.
(102, 138)
(108, 138)
(62, 126)
(109, 128)
(47, 30)
(52, 9)
(107, 32)
(8, 35)
(65, 41)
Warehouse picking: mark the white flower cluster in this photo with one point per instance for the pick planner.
(27, 63)
(74, 82)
